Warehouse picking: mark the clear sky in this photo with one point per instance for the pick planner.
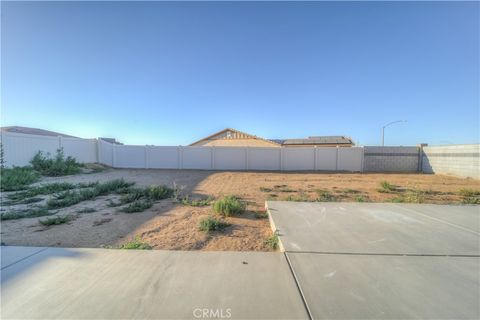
(170, 73)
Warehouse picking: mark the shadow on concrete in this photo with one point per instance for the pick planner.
(19, 260)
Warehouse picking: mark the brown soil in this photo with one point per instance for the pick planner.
(169, 225)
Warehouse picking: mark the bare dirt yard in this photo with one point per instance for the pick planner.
(169, 224)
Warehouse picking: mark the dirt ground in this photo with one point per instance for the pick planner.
(169, 225)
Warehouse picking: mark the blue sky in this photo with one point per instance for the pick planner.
(171, 73)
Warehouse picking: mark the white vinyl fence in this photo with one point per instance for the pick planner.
(231, 158)
(20, 148)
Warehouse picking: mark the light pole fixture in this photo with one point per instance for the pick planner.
(388, 124)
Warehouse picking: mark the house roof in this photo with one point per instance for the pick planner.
(40, 132)
(233, 130)
(319, 140)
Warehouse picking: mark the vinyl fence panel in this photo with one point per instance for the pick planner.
(19, 148)
(83, 150)
(264, 159)
(230, 158)
(163, 157)
(105, 153)
(129, 156)
(297, 158)
(326, 159)
(197, 158)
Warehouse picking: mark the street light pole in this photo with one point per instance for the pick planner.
(388, 124)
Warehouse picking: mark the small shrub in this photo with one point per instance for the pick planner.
(470, 196)
(12, 215)
(196, 203)
(39, 211)
(137, 206)
(229, 205)
(2, 157)
(361, 199)
(177, 192)
(265, 189)
(31, 200)
(283, 188)
(63, 195)
(261, 214)
(469, 192)
(272, 196)
(56, 166)
(398, 199)
(56, 220)
(17, 178)
(386, 187)
(24, 201)
(70, 198)
(136, 244)
(89, 194)
(112, 186)
(212, 224)
(471, 200)
(414, 196)
(132, 195)
(351, 191)
(297, 198)
(152, 193)
(324, 196)
(48, 189)
(123, 190)
(158, 192)
(64, 199)
(272, 242)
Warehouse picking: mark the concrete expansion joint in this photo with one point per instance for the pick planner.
(300, 291)
(386, 254)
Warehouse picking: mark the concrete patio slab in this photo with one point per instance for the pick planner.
(389, 287)
(11, 255)
(376, 228)
(382, 261)
(62, 283)
(466, 216)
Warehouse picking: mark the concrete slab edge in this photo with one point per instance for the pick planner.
(274, 228)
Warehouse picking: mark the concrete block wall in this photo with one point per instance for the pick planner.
(391, 159)
(459, 160)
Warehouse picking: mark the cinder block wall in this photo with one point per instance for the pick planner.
(460, 160)
(391, 159)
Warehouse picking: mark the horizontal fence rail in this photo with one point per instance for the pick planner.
(462, 160)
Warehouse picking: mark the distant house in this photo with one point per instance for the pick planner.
(320, 141)
(233, 138)
(111, 140)
(39, 132)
